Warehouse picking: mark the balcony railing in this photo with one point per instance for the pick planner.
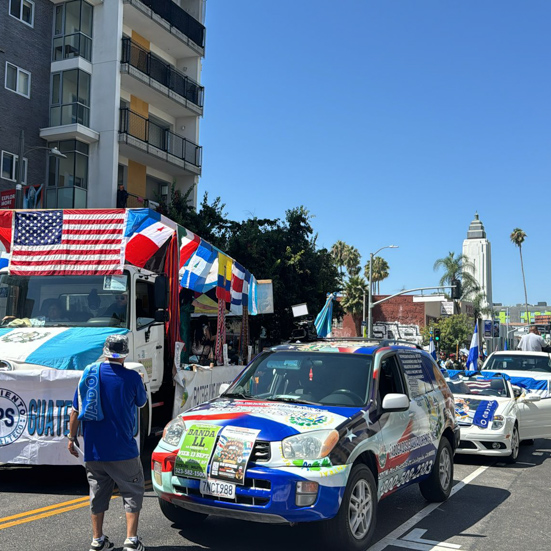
(162, 72)
(155, 135)
(178, 18)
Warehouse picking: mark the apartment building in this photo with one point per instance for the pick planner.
(114, 86)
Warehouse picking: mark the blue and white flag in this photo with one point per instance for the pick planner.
(4, 260)
(432, 349)
(325, 317)
(472, 359)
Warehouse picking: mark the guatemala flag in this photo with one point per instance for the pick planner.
(432, 349)
(473, 351)
(325, 317)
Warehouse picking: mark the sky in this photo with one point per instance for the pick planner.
(392, 122)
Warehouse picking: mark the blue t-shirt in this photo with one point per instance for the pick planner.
(112, 438)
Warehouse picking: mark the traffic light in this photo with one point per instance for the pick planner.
(456, 290)
(436, 335)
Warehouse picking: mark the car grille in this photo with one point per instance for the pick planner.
(250, 484)
(261, 452)
(467, 445)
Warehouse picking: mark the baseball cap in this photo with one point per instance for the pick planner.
(116, 346)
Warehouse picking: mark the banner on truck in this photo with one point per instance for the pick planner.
(35, 406)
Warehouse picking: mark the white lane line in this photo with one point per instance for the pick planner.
(408, 525)
(416, 536)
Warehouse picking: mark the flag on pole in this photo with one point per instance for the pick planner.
(432, 349)
(473, 351)
(325, 317)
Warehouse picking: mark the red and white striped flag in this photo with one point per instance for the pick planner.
(68, 242)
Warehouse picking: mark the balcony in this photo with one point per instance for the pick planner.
(167, 151)
(181, 28)
(152, 79)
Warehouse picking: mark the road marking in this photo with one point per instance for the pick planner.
(52, 510)
(524, 463)
(392, 538)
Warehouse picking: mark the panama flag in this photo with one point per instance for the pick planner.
(473, 351)
(432, 349)
(147, 240)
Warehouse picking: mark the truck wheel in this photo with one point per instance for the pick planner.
(181, 517)
(515, 445)
(353, 526)
(438, 486)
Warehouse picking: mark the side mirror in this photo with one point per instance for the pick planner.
(161, 292)
(531, 397)
(161, 316)
(395, 402)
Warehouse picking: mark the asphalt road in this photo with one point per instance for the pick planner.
(494, 506)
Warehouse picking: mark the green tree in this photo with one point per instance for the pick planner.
(353, 300)
(352, 260)
(517, 238)
(338, 252)
(457, 267)
(455, 332)
(379, 273)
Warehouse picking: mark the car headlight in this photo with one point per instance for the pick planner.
(498, 422)
(173, 431)
(310, 445)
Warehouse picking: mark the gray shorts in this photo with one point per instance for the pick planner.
(127, 475)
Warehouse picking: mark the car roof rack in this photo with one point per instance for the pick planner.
(380, 342)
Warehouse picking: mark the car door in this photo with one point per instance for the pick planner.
(535, 416)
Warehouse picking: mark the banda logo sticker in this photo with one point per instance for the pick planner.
(13, 417)
(24, 336)
(307, 420)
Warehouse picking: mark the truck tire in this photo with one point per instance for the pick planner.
(180, 517)
(438, 485)
(353, 526)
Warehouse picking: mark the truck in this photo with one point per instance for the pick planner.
(74, 277)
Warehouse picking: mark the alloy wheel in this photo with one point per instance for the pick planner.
(360, 509)
(445, 468)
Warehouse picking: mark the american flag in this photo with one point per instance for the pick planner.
(68, 242)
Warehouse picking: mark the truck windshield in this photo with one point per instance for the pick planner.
(73, 301)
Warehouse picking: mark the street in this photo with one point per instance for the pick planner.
(494, 506)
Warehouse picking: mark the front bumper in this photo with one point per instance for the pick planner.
(475, 441)
(268, 494)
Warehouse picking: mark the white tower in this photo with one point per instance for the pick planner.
(477, 249)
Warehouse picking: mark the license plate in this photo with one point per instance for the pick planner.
(217, 488)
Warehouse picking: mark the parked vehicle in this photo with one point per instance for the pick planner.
(315, 433)
(495, 416)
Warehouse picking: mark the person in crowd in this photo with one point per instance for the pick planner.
(122, 196)
(532, 341)
(203, 341)
(111, 454)
(118, 308)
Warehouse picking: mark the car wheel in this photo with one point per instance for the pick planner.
(515, 445)
(438, 485)
(181, 517)
(353, 526)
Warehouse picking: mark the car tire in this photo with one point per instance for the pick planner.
(438, 485)
(353, 526)
(179, 516)
(515, 446)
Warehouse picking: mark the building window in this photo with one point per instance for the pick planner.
(70, 102)
(68, 178)
(73, 30)
(18, 80)
(22, 10)
(10, 166)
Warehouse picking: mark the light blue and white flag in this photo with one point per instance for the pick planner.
(432, 349)
(472, 359)
(325, 317)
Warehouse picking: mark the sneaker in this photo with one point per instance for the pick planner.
(130, 545)
(103, 546)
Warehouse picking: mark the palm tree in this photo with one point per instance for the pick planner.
(352, 260)
(353, 299)
(379, 272)
(517, 238)
(458, 267)
(338, 252)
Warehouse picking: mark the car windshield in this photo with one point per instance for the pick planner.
(480, 386)
(306, 377)
(518, 362)
(72, 301)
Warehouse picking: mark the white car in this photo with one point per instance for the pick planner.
(495, 415)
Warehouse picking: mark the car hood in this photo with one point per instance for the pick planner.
(467, 407)
(275, 420)
(56, 347)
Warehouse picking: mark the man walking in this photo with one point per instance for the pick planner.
(532, 341)
(105, 403)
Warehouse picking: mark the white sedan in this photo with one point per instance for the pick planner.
(495, 416)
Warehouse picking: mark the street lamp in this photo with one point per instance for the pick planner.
(369, 295)
(19, 183)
